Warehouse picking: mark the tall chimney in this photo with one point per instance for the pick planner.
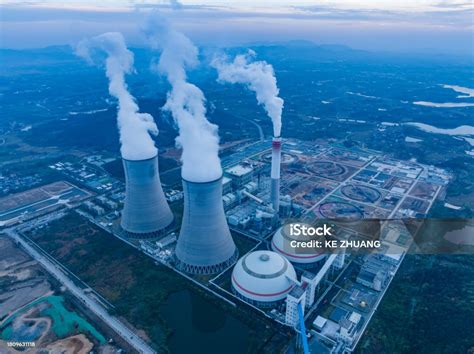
(205, 245)
(275, 174)
(146, 213)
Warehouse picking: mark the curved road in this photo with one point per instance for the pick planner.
(260, 130)
(126, 333)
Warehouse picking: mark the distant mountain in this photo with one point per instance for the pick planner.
(297, 51)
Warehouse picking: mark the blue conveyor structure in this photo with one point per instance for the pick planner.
(304, 339)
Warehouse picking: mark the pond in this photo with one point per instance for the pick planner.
(198, 325)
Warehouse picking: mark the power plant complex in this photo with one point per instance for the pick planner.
(234, 244)
(264, 278)
(221, 221)
(243, 214)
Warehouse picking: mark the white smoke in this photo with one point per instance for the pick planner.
(259, 77)
(186, 102)
(134, 127)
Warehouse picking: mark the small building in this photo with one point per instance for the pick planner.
(349, 326)
(240, 174)
(226, 185)
(319, 323)
(374, 280)
(166, 241)
(229, 199)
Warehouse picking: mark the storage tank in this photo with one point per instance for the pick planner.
(263, 278)
(146, 213)
(281, 244)
(205, 245)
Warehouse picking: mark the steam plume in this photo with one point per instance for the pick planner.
(185, 101)
(259, 77)
(134, 127)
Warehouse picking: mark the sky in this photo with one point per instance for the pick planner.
(430, 26)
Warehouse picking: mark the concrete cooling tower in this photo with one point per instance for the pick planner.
(205, 245)
(146, 213)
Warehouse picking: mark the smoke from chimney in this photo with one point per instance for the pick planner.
(134, 127)
(259, 77)
(186, 102)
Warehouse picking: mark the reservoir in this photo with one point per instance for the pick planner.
(200, 325)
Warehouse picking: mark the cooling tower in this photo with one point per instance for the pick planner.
(275, 174)
(146, 213)
(205, 245)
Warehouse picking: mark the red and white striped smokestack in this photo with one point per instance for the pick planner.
(275, 174)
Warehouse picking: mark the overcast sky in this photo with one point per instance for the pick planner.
(378, 25)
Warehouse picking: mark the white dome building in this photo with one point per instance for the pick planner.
(281, 244)
(263, 278)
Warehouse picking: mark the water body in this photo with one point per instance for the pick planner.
(470, 141)
(202, 326)
(64, 322)
(468, 92)
(410, 139)
(461, 130)
(444, 104)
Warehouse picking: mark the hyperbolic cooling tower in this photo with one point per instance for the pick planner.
(146, 212)
(275, 174)
(205, 245)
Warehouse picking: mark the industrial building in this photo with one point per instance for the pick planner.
(240, 174)
(317, 181)
(297, 296)
(376, 271)
(146, 213)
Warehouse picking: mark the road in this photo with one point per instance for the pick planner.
(260, 130)
(123, 331)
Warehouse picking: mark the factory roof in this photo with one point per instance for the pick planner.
(355, 317)
(308, 275)
(226, 180)
(239, 170)
(366, 275)
(297, 292)
(319, 322)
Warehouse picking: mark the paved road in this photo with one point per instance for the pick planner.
(124, 332)
(260, 130)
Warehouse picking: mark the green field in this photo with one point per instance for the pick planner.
(429, 308)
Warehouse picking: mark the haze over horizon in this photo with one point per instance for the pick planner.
(425, 26)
